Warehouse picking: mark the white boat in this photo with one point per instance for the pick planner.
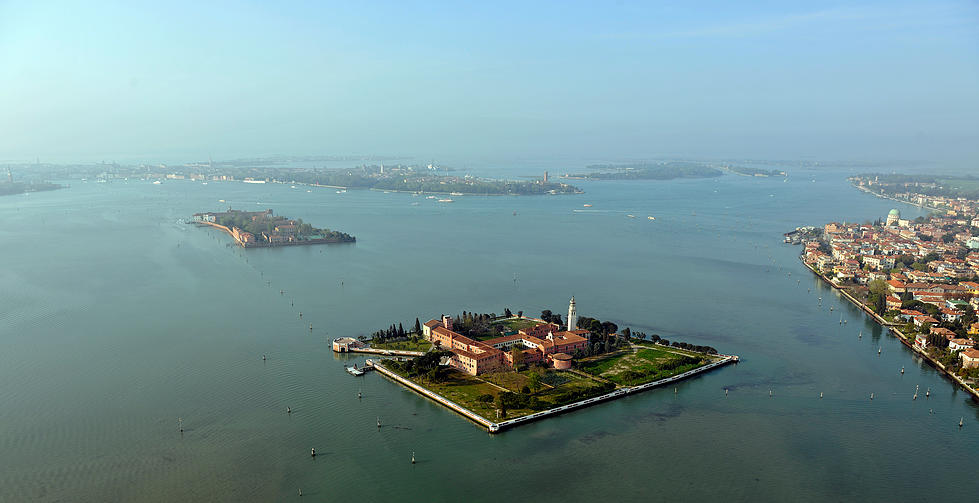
(157, 182)
(631, 216)
(220, 200)
(292, 186)
(430, 197)
(587, 206)
(342, 191)
(651, 218)
(203, 183)
(446, 201)
(455, 193)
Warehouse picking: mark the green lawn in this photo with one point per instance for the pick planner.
(649, 363)
(961, 184)
(517, 324)
(421, 345)
(560, 387)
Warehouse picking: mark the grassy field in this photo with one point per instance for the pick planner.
(558, 388)
(646, 363)
(961, 184)
(421, 345)
(517, 324)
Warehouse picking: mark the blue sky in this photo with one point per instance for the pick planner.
(491, 80)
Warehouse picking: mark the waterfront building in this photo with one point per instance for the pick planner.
(921, 340)
(572, 316)
(970, 358)
(345, 344)
(960, 344)
(542, 342)
(427, 328)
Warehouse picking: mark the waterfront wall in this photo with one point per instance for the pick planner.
(482, 421)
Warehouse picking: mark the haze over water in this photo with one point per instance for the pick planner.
(116, 319)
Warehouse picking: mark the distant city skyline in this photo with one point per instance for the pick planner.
(808, 80)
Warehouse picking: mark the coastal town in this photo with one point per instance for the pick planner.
(918, 277)
(251, 229)
(503, 370)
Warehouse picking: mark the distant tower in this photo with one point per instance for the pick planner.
(572, 317)
(545, 177)
(10, 175)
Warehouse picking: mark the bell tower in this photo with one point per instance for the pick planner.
(572, 316)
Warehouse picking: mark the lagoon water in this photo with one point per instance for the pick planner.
(116, 319)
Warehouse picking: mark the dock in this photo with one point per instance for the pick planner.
(354, 371)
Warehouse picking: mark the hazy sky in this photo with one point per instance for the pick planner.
(102, 80)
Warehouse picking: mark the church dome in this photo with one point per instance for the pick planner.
(894, 213)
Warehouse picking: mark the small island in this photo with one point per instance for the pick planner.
(648, 171)
(759, 172)
(11, 188)
(253, 229)
(502, 371)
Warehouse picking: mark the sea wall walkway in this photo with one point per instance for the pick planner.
(496, 427)
(393, 352)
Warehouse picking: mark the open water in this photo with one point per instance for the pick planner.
(116, 319)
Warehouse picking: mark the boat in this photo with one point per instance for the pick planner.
(342, 191)
(456, 193)
(157, 182)
(587, 205)
(203, 183)
(430, 197)
(446, 201)
(631, 216)
(292, 186)
(220, 200)
(354, 371)
(651, 217)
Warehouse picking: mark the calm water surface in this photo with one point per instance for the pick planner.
(116, 319)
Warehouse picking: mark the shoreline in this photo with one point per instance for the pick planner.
(495, 427)
(892, 198)
(891, 328)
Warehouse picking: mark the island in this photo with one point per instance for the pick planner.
(749, 171)
(506, 370)
(11, 188)
(666, 170)
(919, 278)
(940, 192)
(252, 229)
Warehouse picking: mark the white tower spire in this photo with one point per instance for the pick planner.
(572, 317)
